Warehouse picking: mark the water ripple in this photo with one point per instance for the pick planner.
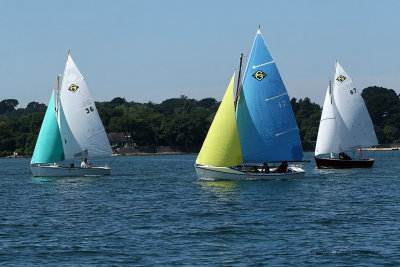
(153, 211)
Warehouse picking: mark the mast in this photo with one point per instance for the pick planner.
(56, 96)
(238, 81)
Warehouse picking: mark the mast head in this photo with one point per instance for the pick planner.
(258, 30)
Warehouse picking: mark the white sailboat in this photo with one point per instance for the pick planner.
(71, 129)
(345, 125)
(262, 129)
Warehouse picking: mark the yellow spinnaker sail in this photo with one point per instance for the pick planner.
(221, 148)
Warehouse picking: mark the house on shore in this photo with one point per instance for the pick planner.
(120, 140)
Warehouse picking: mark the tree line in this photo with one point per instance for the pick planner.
(182, 121)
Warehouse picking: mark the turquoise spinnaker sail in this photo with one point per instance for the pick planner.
(267, 127)
(49, 147)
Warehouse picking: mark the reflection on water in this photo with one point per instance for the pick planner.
(66, 180)
(224, 190)
(75, 189)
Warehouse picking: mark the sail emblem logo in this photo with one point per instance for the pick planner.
(341, 78)
(259, 75)
(73, 88)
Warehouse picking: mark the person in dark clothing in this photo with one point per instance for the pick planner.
(283, 167)
(344, 156)
(265, 168)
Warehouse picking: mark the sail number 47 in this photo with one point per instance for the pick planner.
(89, 109)
(353, 91)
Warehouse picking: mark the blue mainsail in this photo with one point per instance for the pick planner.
(267, 127)
(48, 147)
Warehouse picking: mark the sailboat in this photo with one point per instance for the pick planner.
(345, 125)
(262, 128)
(71, 129)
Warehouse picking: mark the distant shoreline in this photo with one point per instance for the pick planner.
(194, 153)
(119, 155)
(153, 154)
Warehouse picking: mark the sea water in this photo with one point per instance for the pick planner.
(152, 211)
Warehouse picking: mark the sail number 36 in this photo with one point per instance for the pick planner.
(89, 109)
(353, 91)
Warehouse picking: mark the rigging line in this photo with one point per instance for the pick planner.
(273, 61)
(286, 131)
(268, 99)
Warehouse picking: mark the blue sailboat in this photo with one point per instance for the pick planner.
(265, 122)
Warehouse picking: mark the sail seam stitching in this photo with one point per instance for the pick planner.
(99, 132)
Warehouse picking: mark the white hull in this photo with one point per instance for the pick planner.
(223, 173)
(60, 171)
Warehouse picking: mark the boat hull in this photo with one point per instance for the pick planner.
(326, 163)
(60, 171)
(224, 173)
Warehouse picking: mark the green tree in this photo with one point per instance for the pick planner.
(8, 105)
(391, 133)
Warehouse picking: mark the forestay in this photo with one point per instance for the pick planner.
(86, 130)
(267, 127)
(353, 121)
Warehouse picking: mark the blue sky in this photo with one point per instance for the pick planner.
(154, 50)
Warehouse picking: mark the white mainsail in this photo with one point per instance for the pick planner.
(351, 127)
(81, 129)
(328, 133)
(352, 117)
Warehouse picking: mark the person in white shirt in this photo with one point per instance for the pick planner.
(85, 163)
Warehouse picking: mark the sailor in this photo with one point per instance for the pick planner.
(283, 167)
(265, 168)
(344, 156)
(85, 163)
